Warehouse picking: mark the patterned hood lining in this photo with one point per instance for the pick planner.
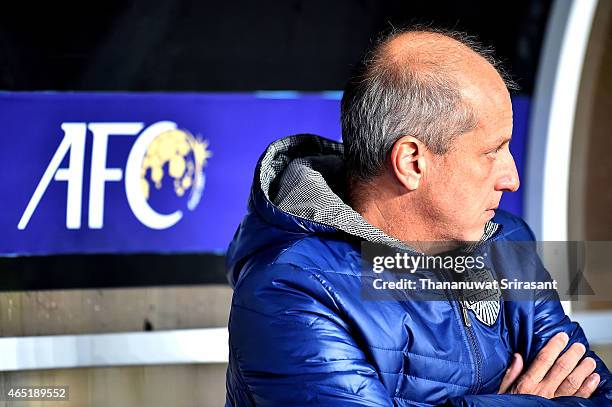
(304, 176)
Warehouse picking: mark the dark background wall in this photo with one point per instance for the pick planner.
(191, 45)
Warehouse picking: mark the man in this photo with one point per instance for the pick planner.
(426, 124)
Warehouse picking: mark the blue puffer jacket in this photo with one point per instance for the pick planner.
(301, 334)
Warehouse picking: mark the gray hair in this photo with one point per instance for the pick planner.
(383, 102)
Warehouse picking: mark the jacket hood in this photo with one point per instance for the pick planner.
(299, 189)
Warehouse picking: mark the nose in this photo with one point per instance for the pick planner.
(508, 181)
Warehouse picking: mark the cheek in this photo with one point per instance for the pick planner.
(467, 190)
(459, 188)
(450, 196)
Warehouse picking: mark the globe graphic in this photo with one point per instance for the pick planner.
(175, 158)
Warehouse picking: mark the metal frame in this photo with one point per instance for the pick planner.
(184, 346)
(552, 123)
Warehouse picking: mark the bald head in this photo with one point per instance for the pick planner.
(424, 51)
(432, 54)
(419, 83)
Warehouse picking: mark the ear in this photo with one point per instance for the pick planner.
(408, 161)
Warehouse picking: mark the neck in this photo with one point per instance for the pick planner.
(400, 216)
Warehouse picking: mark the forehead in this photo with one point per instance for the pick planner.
(486, 93)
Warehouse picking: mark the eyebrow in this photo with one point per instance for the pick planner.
(503, 139)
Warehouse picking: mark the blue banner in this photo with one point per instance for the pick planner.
(148, 173)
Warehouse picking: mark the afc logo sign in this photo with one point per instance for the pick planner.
(159, 150)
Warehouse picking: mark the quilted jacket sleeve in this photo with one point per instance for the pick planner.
(547, 319)
(289, 345)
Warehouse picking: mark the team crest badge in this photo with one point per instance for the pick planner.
(484, 303)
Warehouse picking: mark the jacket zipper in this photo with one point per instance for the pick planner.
(474, 351)
(470, 330)
(466, 316)
(474, 345)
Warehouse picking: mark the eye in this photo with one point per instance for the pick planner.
(497, 150)
(493, 152)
